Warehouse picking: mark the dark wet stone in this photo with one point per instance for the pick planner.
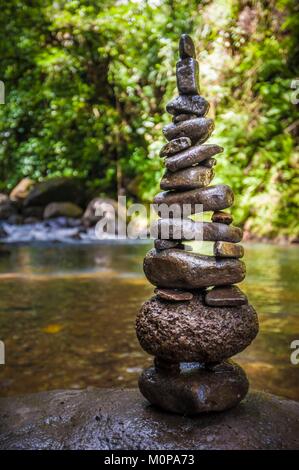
(224, 249)
(187, 158)
(175, 146)
(122, 419)
(225, 296)
(222, 217)
(187, 229)
(178, 269)
(187, 76)
(175, 295)
(186, 47)
(188, 178)
(212, 198)
(166, 244)
(198, 130)
(194, 389)
(188, 104)
(209, 163)
(183, 117)
(194, 332)
(58, 189)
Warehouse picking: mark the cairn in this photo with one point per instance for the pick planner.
(198, 318)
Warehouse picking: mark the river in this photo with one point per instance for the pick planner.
(67, 316)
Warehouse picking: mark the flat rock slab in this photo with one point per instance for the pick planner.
(225, 296)
(112, 419)
(188, 178)
(175, 146)
(194, 332)
(179, 269)
(173, 295)
(193, 155)
(198, 130)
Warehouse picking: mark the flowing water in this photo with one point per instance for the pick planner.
(67, 316)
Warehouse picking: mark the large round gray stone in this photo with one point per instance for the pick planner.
(122, 419)
(194, 332)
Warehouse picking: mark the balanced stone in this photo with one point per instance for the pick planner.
(192, 331)
(187, 229)
(187, 158)
(175, 295)
(167, 244)
(194, 389)
(186, 47)
(209, 163)
(212, 198)
(225, 296)
(179, 269)
(222, 217)
(188, 178)
(198, 130)
(224, 249)
(183, 117)
(187, 76)
(175, 146)
(188, 104)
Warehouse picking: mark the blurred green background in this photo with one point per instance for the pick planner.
(87, 83)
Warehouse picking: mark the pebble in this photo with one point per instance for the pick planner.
(174, 295)
(188, 178)
(178, 269)
(186, 47)
(222, 217)
(188, 104)
(183, 117)
(198, 130)
(193, 331)
(225, 296)
(175, 146)
(191, 156)
(224, 249)
(212, 198)
(191, 389)
(187, 76)
(187, 229)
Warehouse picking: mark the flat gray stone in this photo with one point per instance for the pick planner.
(212, 198)
(198, 130)
(198, 154)
(178, 269)
(175, 146)
(193, 389)
(194, 332)
(223, 249)
(188, 104)
(188, 178)
(225, 296)
(173, 295)
(187, 76)
(187, 229)
(186, 47)
(112, 419)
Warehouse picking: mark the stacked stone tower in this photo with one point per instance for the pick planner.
(198, 318)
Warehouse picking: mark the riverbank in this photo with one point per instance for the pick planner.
(111, 419)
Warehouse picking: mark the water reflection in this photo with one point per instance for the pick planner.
(67, 317)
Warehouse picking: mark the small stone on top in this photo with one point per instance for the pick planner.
(186, 47)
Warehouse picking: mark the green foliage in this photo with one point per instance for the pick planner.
(87, 83)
